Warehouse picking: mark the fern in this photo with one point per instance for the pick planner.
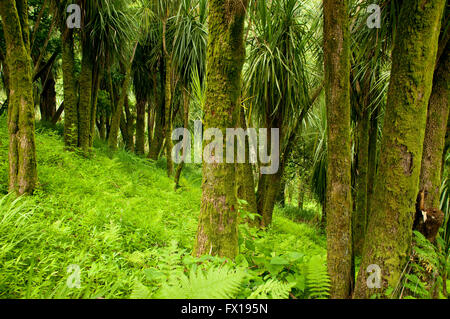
(272, 289)
(317, 278)
(215, 283)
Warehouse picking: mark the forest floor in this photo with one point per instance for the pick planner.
(112, 226)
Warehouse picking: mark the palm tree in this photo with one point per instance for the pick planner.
(389, 234)
(189, 54)
(217, 232)
(277, 81)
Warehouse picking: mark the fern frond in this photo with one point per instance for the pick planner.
(317, 278)
(272, 289)
(215, 283)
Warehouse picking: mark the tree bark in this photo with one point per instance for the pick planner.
(338, 193)
(168, 114)
(360, 215)
(70, 91)
(84, 108)
(22, 147)
(388, 239)
(140, 126)
(217, 228)
(244, 177)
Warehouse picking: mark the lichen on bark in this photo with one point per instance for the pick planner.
(389, 234)
(217, 229)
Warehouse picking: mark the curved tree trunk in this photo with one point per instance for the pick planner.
(338, 194)
(360, 215)
(434, 142)
(22, 148)
(389, 233)
(217, 228)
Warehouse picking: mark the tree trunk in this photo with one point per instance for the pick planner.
(217, 228)
(22, 148)
(140, 126)
(70, 91)
(84, 108)
(372, 166)
(97, 75)
(338, 193)
(168, 113)
(244, 177)
(360, 215)
(434, 142)
(185, 146)
(47, 101)
(388, 239)
(117, 113)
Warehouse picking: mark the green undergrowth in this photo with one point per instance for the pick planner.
(112, 226)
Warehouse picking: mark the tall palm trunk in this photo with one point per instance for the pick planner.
(434, 143)
(217, 228)
(244, 177)
(185, 146)
(389, 233)
(84, 108)
(372, 165)
(70, 91)
(140, 126)
(168, 114)
(360, 215)
(22, 149)
(338, 193)
(118, 110)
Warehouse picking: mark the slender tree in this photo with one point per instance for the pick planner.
(433, 146)
(338, 193)
(389, 233)
(22, 148)
(217, 229)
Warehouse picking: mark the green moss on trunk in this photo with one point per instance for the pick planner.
(140, 126)
(217, 229)
(338, 193)
(22, 148)
(84, 109)
(434, 142)
(360, 215)
(168, 89)
(389, 234)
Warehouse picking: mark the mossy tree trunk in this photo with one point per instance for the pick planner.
(118, 108)
(360, 215)
(70, 91)
(84, 108)
(96, 78)
(185, 146)
(47, 102)
(338, 193)
(372, 165)
(168, 113)
(245, 183)
(389, 232)
(434, 142)
(217, 228)
(141, 104)
(22, 148)
(159, 106)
